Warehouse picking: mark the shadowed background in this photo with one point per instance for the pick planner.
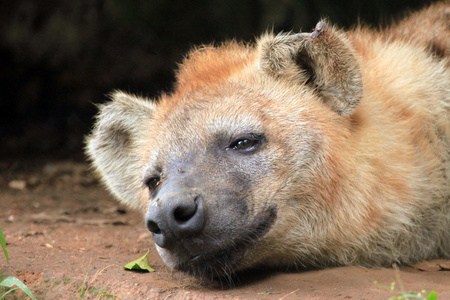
(58, 58)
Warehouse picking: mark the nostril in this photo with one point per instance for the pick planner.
(188, 217)
(184, 213)
(161, 235)
(153, 227)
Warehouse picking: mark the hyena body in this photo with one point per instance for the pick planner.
(314, 149)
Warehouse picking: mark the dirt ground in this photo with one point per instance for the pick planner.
(69, 239)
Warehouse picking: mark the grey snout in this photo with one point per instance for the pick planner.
(174, 216)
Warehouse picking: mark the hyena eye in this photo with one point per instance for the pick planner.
(153, 182)
(245, 144)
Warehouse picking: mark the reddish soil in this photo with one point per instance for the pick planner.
(63, 230)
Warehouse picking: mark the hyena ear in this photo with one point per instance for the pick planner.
(323, 59)
(115, 146)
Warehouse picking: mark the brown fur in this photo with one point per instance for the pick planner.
(429, 28)
(355, 155)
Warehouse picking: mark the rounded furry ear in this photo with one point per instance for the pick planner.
(115, 146)
(323, 59)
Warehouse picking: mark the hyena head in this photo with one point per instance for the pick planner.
(237, 167)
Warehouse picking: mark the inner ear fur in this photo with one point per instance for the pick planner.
(323, 59)
(115, 146)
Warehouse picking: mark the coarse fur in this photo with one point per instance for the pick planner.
(350, 157)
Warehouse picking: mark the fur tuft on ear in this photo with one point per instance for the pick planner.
(323, 59)
(114, 146)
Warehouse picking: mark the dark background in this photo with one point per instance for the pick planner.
(58, 58)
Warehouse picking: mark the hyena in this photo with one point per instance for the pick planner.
(301, 150)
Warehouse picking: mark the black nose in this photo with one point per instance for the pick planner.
(174, 216)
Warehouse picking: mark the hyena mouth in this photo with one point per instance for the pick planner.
(225, 261)
(214, 264)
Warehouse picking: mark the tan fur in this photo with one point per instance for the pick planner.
(357, 126)
(429, 28)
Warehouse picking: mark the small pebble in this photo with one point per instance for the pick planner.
(17, 184)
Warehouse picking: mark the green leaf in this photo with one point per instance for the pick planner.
(107, 296)
(3, 243)
(11, 281)
(432, 296)
(10, 291)
(140, 264)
